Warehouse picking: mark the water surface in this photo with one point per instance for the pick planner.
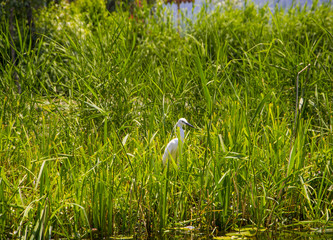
(190, 9)
(267, 235)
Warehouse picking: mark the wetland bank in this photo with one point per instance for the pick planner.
(88, 102)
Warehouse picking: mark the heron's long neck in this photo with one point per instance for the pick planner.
(181, 132)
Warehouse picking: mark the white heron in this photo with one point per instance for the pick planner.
(171, 149)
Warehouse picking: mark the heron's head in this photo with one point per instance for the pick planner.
(181, 122)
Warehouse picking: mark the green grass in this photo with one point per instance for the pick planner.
(81, 148)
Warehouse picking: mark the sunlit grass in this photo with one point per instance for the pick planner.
(81, 147)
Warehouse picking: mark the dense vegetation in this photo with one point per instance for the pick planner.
(81, 145)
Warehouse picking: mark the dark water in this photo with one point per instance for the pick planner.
(294, 235)
(267, 235)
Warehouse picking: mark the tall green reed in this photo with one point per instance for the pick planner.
(81, 146)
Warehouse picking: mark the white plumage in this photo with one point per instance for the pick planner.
(171, 150)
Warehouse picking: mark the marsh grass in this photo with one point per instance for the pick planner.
(81, 147)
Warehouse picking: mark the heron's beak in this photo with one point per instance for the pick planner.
(189, 125)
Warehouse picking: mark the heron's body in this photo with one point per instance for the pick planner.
(171, 150)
